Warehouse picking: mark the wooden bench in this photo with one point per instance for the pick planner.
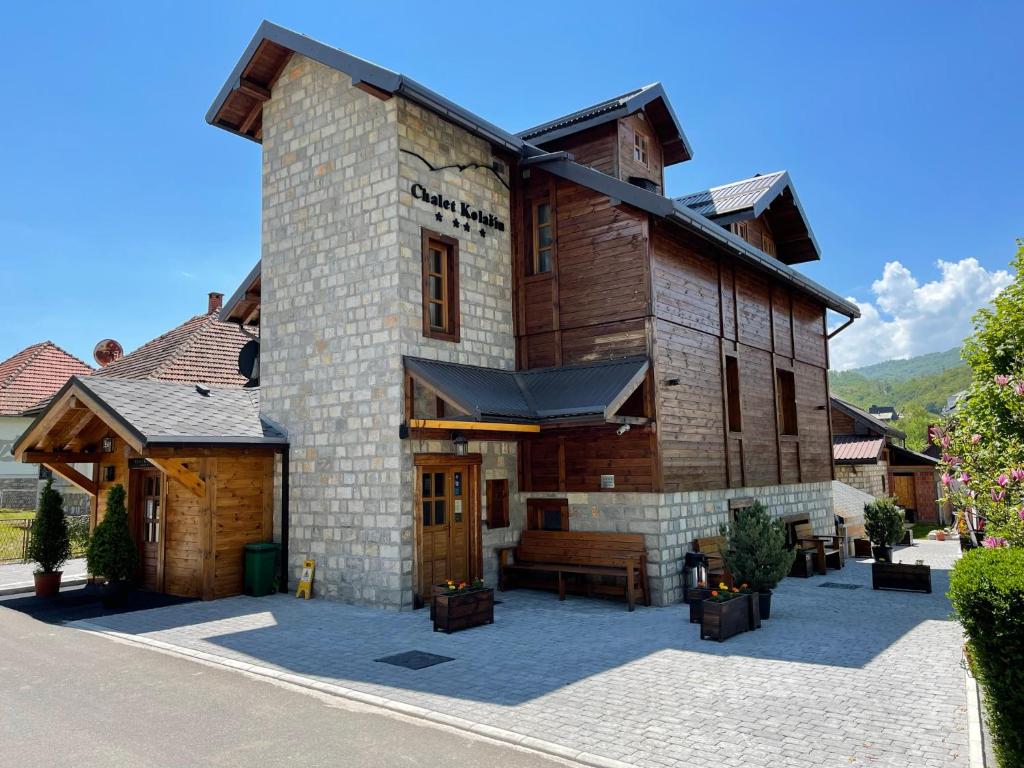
(579, 552)
(712, 549)
(830, 551)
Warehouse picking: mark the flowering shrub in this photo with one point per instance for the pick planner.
(725, 593)
(987, 590)
(983, 445)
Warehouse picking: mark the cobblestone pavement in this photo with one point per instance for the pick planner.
(837, 677)
(17, 576)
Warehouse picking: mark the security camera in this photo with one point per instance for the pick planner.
(622, 430)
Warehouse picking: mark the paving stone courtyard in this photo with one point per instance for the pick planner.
(837, 677)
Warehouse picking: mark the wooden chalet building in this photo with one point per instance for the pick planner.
(467, 332)
(871, 455)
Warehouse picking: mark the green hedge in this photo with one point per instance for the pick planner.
(987, 590)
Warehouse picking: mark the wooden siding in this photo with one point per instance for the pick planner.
(812, 414)
(595, 147)
(242, 516)
(628, 127)
(574, 460)
(183, 540)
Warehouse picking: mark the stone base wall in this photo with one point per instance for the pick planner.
(671, 521)
(870, 478)
(18, 492)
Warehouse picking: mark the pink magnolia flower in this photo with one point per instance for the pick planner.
(965, 478)
(1002, 480)
(935, 434)
(998, 496)
(1019, 388)
(951, 460)
(975, 439)
(945, 441)
(971, 494)
(1001, 379)
(1021, 514)
(1017, 475)
(946, 479)
(994, 542)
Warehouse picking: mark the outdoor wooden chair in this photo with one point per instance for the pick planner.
(830, 551)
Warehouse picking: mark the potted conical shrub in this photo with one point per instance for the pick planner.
(883, 524)
(49, 543)
(112, 553)
(756, 553)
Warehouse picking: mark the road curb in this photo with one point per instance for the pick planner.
(546, 748)
(24, 587)
(975, 735)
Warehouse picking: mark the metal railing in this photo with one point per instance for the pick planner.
(15, 533)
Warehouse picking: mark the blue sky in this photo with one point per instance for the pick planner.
(900, 123)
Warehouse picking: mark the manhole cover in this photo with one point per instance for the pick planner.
(415, 659)
(838, 585)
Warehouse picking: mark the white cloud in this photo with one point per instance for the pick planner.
(906, 318)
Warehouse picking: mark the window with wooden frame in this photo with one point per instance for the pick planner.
(786, 393)
(547, 514)
(732, 393)
(440, 286)
(767, 244)
(497, 503)
(740, 228)
(543, 255)
(640, 149)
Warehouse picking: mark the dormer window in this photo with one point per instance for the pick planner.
(640, 149)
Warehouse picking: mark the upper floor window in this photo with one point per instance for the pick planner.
(786, 393)
(640, 149)
(767, 244)
(740, 228)
(543, 238)
(440, 286)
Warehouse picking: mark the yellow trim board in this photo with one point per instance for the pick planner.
(485, 426)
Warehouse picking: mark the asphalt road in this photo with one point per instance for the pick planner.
(74, 699)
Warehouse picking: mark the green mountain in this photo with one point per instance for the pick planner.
(919, 388)
(922, 365)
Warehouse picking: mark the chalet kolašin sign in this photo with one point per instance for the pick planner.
(459, 214)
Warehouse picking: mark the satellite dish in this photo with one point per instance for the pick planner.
(249, 361)
(106, 352)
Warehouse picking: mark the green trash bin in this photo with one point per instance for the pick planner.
(260, 568)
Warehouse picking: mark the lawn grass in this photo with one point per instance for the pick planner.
(921, 530)
(12, 536)
(7, 514)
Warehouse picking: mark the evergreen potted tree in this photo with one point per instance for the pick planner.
(883, 524)
(756, 552)
(112, 553)
(50, 543)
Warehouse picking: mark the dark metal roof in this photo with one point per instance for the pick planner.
(677, 148)
(866, 419)
(540, 394)
(857, 449)
(748, 199)
(228, 311)
(900, 456)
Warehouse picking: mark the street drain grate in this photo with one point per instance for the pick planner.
(415, 659)
(838, 585)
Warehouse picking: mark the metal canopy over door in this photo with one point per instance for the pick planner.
(148, 524)
(447, 524)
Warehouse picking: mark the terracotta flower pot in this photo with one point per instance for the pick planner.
(47, 584)
(940, 535)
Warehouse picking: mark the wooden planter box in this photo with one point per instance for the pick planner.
(721, 621)
(861, 548)
(470, 609)
(753, 610)
(914, 578)
(696, 596)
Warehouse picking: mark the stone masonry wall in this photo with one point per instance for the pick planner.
(331, 371)
(870, 478)
(670, 522)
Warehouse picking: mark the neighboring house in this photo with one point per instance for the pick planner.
(202, 350)
(27, 378)
(467, 332)
(870, 455)
(884, 412)
(953, 402)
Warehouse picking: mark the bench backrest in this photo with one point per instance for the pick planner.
(804, 531)
(581, 548)
(711, 546)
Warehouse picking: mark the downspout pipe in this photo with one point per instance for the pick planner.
(283, 578)
(844, 326)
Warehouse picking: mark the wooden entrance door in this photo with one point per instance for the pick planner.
(148, 515)
(446, 515)
(903, 490)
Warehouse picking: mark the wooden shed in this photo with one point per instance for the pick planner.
(197, 465)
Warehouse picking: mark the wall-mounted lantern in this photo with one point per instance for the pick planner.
(461, 444)
(107, 445)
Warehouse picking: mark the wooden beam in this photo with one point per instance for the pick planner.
(62, 457)
(373, 90)
(73, 476)
(177, 471)
(172, 452)
(207, 527)
(489, 426)
(51, 416)
(250, 119)
(72, 434)
(253, 89)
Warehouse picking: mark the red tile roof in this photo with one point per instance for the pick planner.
(856, 449)
(35, 374)
(202, 350)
